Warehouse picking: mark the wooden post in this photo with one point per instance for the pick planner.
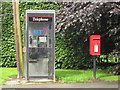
(16, 39)
(19, 36)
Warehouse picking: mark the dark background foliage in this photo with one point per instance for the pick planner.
(76, 22)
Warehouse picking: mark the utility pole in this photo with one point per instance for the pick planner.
(19, 35)
(16, 37)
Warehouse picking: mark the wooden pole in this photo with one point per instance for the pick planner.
(16, 39)
(19, 36)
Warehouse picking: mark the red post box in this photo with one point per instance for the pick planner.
(95, 45)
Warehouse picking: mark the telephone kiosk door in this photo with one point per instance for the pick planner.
(40, 44)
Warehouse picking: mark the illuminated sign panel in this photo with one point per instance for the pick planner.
(40, 19)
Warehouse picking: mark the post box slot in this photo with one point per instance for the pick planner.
(96, 39)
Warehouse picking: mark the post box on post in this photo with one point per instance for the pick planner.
(94, 50)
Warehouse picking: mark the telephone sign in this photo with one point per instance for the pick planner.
(95, 45)
(40, 18)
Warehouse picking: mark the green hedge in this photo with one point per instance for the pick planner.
(8, 43)
(8, 49)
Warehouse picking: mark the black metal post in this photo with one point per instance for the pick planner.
(94, 68)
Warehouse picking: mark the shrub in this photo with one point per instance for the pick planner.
(8, 43)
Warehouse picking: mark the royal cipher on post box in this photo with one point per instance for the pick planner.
(95, 45)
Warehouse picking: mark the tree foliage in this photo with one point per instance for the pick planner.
(77, 21)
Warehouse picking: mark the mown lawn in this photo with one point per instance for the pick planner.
(5, 73)
(63, 75)
(83, 75)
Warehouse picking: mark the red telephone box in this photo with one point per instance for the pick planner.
(95, 45)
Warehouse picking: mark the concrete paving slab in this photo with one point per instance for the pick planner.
(65, 85)
(45, 83)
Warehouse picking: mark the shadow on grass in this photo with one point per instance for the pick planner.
(66, 73)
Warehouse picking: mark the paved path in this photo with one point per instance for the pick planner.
(98, 84)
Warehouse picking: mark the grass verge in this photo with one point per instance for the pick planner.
(6, 73)
(64, 75)
(83, 75)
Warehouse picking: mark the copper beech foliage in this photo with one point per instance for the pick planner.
(77, 21)
(85, 19)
